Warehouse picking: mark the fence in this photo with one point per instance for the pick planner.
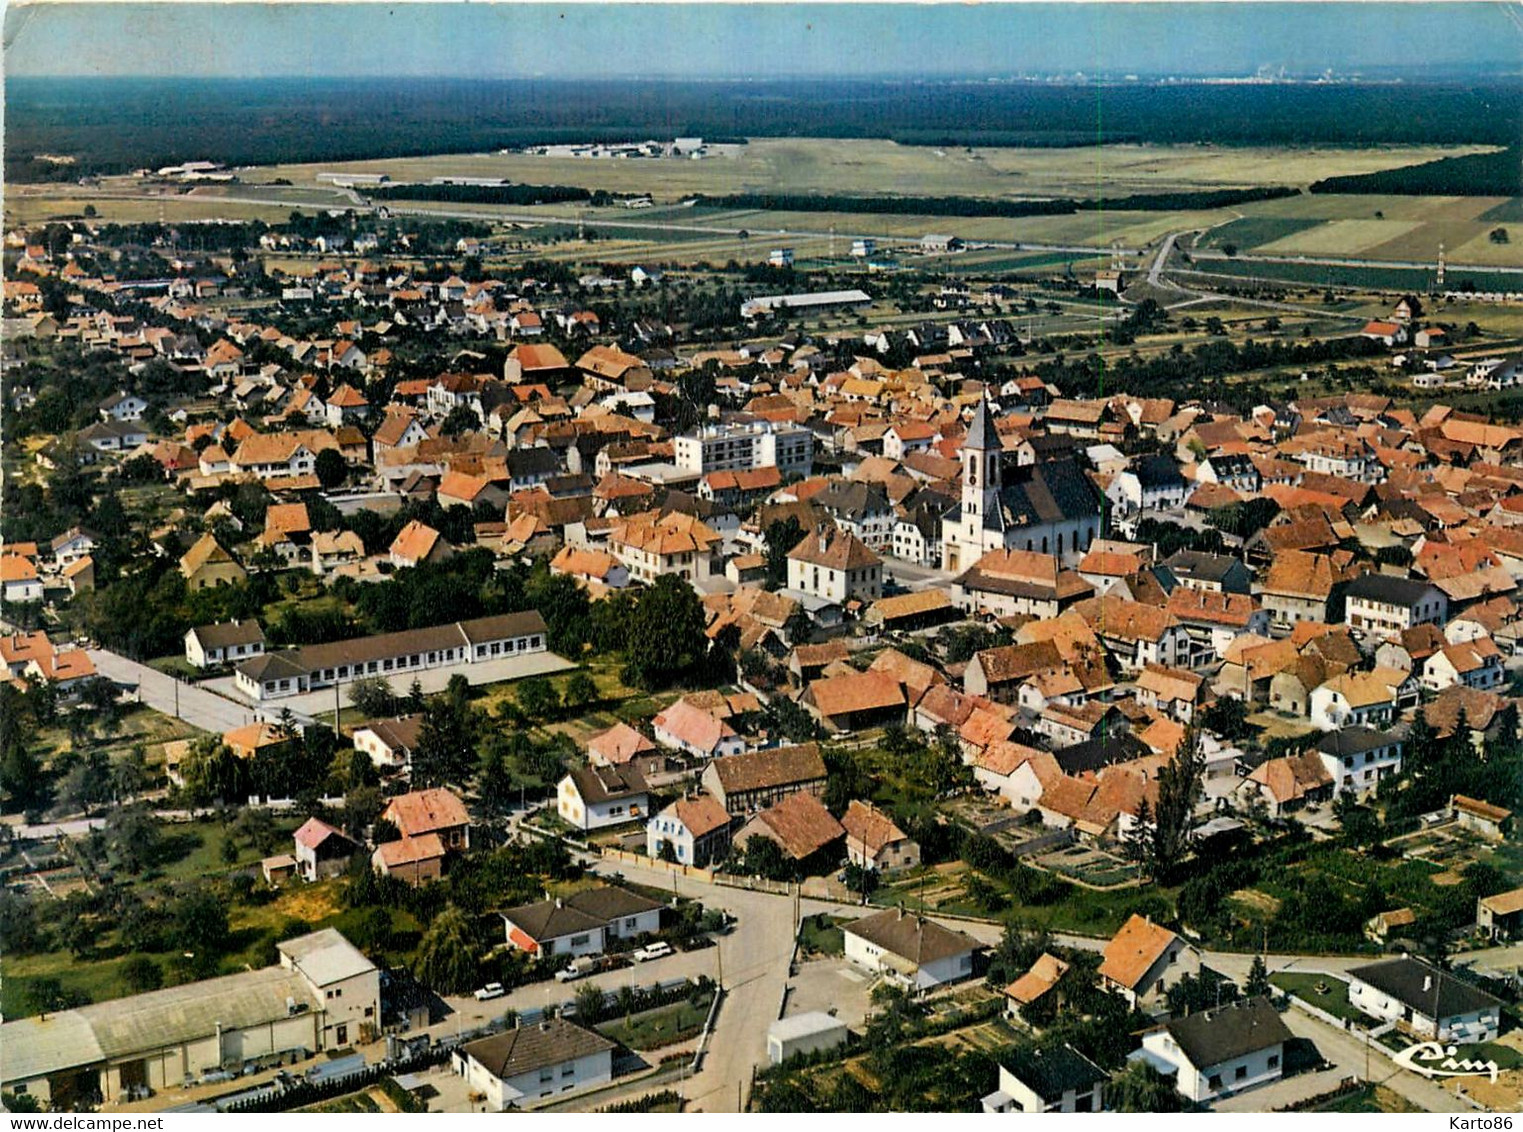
(704, 876)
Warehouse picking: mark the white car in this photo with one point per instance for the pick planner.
(657, 950)
(575, 971)
(489, 992)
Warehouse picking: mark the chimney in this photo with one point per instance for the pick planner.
(1427, 982)
(558, 902)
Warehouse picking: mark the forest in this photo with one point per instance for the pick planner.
(117, 125)
(976, 206)
(1498, 174)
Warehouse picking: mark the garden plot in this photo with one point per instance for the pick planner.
(1088, 865)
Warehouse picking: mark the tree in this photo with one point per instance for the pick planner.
(1498, 236)
(1179, 787)
(765, 858)
(781, 536)
(1141, 1088)
(446, 750)
(133, 838)
(590, 1004)
(1258, 979)
(373, 696)
(537, 697)
(668, 638)
(860, 880)
(1227, 716)
(581, 691)
(799, 626)
(446, 959)
(141, 973)
(331, 468)
(461, 419)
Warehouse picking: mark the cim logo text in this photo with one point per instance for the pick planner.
(1433, 1059)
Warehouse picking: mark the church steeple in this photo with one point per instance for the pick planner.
(981, 468)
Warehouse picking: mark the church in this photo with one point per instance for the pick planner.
(1050, 508)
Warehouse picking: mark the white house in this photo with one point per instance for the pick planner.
(530, 1063)
(909, 949)
(1049, 1079)
(226, 642)
(1383, 606)
(696, 829)
(581, 924)
(123, 406)
(596, 796)
(1425, 1000)
(1359, 758)
(1216, 1053)
(1361, 698)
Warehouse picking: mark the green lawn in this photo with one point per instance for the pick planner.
(660, 1027)
(1333, 999)
(822, 935)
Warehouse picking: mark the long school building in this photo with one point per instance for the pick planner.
(294, 671)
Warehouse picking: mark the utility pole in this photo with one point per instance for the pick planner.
(176, 680)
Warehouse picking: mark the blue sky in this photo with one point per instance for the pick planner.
(477, 40)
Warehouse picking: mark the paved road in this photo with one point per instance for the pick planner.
(1336, 261)
(164, 693)
(1347, 1051)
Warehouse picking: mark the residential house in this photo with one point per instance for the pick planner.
(1474, 664)
(1358, 759)
(1425, 1001)
(581, 924)
(1048, 1078)
(226, 642)
(529, 1063)
(1152, 484)
(1289, 782)
(1384, 606)
(835, 566)
(1215, 573)
(20, 580)
(390, 742)
(686, 727)
(873, 841)
(692, 830)
(1143, 959)
(596, 796)
(1216, 1053)
(206, 565)
(909, 949)
(321, 851)
(435, 820)
(417, 543)
(753, 780)
(1005, 583)
(1297, 587)
(413, 860)
(1368, 698)
(799, 824)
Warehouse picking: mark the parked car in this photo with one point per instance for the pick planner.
(658, 950)
(489, 992)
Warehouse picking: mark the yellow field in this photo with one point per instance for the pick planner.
(1339, 237)
(39, 208)
(872, 166)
